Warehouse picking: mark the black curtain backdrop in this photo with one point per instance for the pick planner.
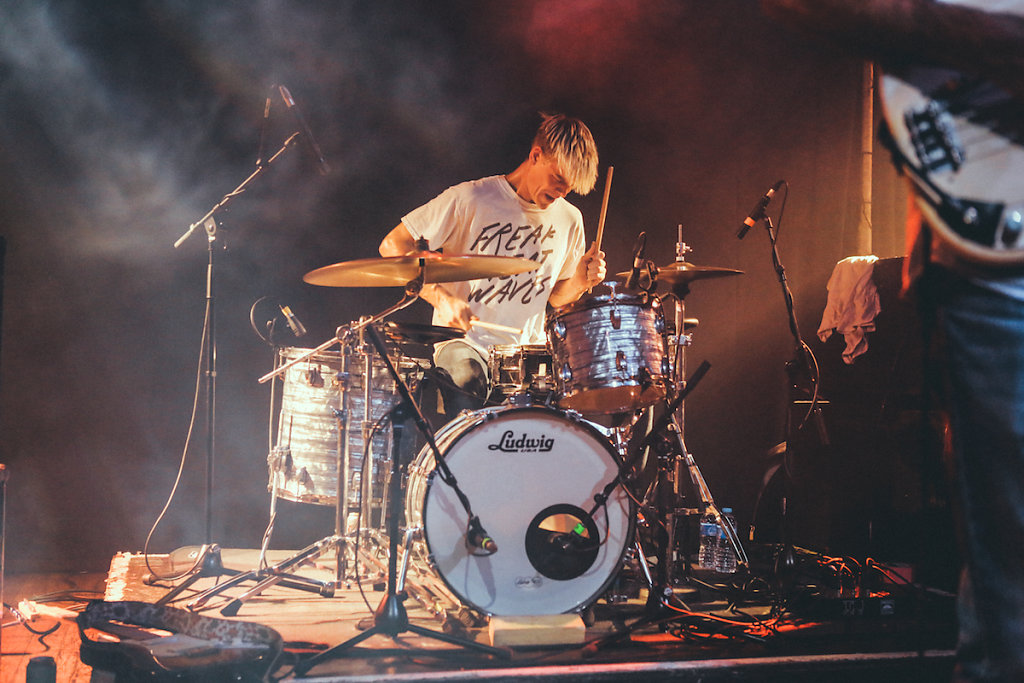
(124, 122)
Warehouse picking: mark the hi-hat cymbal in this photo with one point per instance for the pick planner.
(682, 273)
(416, 333)
(397, 271)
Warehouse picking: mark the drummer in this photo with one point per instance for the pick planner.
(524, 214)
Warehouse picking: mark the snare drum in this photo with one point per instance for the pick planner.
(609, 353)
(530, 474)
(521, 368)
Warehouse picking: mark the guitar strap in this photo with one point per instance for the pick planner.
(198, 647)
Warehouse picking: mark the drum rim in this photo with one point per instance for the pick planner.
(481, 416)
(589, 301)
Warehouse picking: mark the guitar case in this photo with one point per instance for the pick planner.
(194, 647)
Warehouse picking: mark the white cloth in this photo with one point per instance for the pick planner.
(852, 305)
(486, 216)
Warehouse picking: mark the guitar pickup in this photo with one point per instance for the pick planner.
(933, 135)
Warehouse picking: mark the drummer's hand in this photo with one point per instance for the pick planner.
(594, 263)
(451, 311)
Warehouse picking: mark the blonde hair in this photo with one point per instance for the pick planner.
(569, 142)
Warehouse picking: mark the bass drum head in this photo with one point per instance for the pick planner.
(530, 474)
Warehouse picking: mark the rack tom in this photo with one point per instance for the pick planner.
(608, 353)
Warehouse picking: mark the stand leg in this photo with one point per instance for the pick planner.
(391, 618)
(270, 577)
(670, 449)
(209, 564)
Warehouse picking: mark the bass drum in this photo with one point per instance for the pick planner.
(531, 474)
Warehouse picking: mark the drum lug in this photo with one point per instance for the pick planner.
(615, 318)
(565, 373)
(558, 327)
(573, 415)
(620, 361)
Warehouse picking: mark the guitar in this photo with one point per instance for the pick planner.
(961, 141)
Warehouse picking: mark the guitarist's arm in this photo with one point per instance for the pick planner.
(917, 33)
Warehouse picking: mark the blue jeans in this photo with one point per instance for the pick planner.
(469, 372)
(983, 336)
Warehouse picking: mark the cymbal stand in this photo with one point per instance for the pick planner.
(656, 610)
(677, 344)
(354, 354)
(391, 618)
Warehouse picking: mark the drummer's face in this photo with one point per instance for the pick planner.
(546, 182)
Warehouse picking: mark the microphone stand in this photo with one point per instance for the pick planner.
(800, 365)
(209, 342)
(391, 618)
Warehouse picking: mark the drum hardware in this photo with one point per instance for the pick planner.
(665, 438)
(208, 564)
(429, 267)
(676, 278)
(520, 372)
(391, 618)
(272, 576)
(294, 479)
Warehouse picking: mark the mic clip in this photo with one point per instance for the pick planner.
(477, 541)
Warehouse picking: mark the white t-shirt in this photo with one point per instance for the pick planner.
(486, 216)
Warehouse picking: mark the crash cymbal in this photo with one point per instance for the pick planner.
(682, 272)
(397, 271)
(415, 333)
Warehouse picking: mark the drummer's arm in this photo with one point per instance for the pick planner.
(590, 271)
(453, 312)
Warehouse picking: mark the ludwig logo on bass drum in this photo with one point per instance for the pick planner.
(524, 444)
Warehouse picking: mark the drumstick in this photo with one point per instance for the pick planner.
(495, 326)
(604, 209)
(604, 206)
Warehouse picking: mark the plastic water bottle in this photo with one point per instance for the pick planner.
(725, 556)
(706, 556)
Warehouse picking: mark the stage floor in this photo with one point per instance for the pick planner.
(730, 629)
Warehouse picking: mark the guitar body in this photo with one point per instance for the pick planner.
(961, 141)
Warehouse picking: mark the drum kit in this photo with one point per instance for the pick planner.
(551, 465)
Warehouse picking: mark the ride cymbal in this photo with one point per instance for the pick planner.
(682, 273)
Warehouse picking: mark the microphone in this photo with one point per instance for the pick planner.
(573, 539)
(293, 323)
(478, 540)
(263, 130)
(757, 213)
(289, 102)
(633, 281)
